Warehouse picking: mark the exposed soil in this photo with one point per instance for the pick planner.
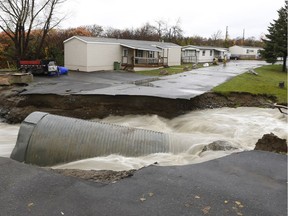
(270, 142)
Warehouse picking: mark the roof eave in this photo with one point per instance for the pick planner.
(74, 37)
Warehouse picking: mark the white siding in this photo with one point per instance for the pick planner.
(236, 50)
(75, 57)
(206, 57)
(101, 56)
(174, 56)
(244, 51)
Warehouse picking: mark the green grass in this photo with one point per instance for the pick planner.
(171, 70)
(267, 83)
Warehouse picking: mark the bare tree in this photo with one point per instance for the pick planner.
(160, 28)
(174, 32)
(216, 38)
(177, 30)
(96, 30)
(217, 35)
(146, 32)
(111, 32)
(18, 18)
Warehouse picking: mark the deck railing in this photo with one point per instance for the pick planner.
(145, 61)
(189, 59)
(142, 60)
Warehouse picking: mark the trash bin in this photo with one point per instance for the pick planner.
(116, 65)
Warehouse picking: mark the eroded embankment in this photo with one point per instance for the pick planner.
(15, 107)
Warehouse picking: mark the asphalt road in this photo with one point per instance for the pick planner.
(184, 85)
(247, 183)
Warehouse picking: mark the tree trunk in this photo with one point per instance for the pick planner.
(284, 67)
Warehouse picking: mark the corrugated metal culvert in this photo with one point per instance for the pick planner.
(47, 140)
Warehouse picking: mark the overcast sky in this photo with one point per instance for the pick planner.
(197, 17)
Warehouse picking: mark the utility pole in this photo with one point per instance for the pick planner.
(226, 37)
(243, 39)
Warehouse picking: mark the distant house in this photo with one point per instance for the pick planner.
(245, 52)
(200, 54)
(93, 53)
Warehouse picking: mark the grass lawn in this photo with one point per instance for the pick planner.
(267, 82)
(171, 70)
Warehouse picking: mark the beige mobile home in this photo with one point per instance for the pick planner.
(94, 54)
(245, 52)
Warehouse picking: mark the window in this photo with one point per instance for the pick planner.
(249, 51)
(188, 53)
(151, 54)
(125, 52)
(203, 53)
(211, 52)
(139, 53)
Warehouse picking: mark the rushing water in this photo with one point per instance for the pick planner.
(238, 128)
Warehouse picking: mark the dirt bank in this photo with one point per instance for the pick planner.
(15, 107)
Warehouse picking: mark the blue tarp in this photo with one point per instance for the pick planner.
(62, 70)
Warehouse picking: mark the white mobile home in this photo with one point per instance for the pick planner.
(200, 54)
(94, 54)
(245, 52)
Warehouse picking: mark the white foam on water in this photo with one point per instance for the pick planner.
(8, 137)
